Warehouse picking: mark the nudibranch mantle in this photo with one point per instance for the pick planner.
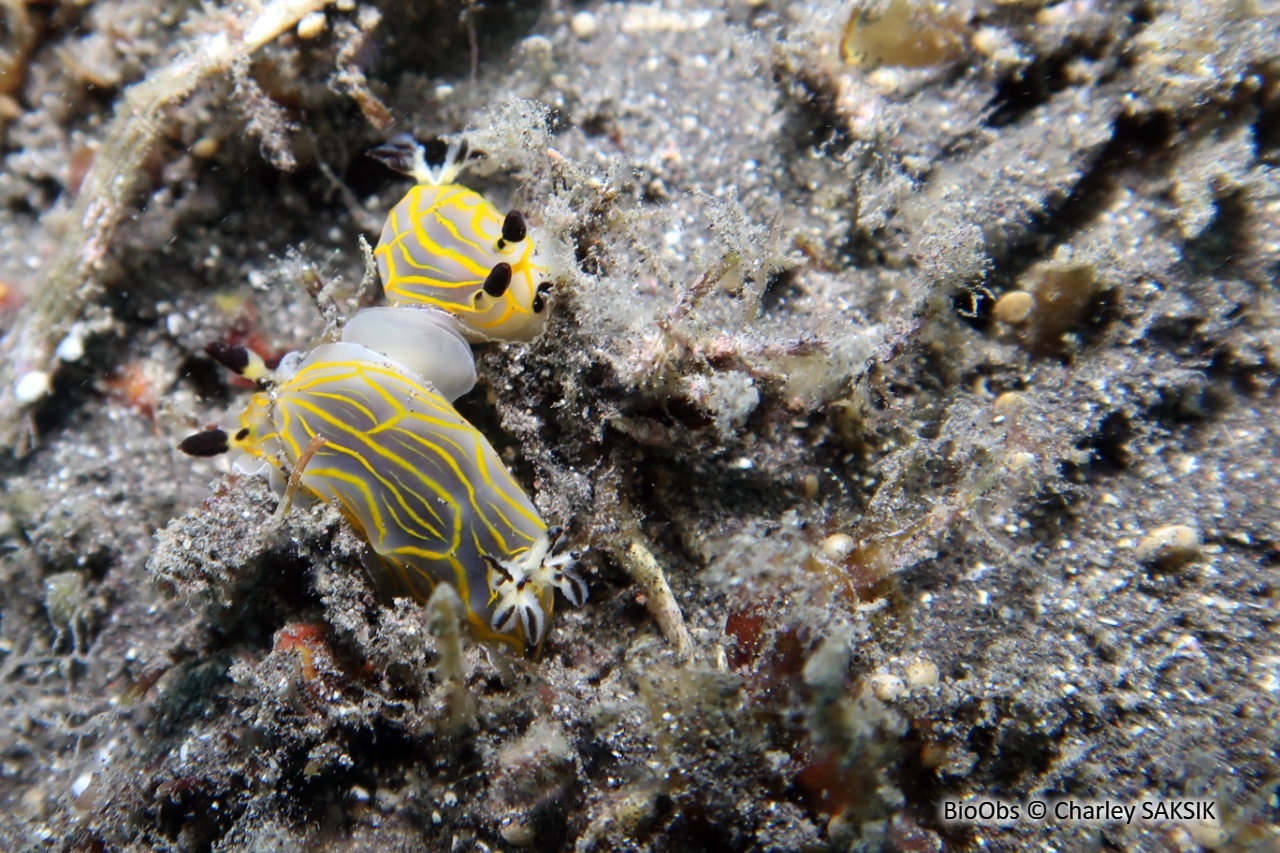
(448, 247)
(416, 479)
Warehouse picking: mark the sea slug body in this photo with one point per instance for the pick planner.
(448, 247)
(369, 420)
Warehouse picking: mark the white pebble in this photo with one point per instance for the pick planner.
(922, 672)
(887, 687)
(33, 386)
(838, 546)
(72, 346)
(311, 25)
(1015, 307)
(584, 25)
(1169, 546)
(518, 833)
(205, 147)
(81, 784)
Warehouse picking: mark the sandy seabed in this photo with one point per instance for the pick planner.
(928, 351)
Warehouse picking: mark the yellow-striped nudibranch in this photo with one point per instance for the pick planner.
(448, 247)
(424, 487)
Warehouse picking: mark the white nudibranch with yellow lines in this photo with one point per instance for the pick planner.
(367, 422)
(448, 247)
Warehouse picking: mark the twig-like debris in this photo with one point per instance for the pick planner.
(365, 219)
(349, 78)
(295, 478)
(322, 292)
(700, 288)
(70, 280)
(444, 614)
(469, 20)
(264, 118)
(640, 565)
(370, 289)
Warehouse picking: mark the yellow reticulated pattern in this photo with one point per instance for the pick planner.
(367, 423)
(419, 482)
(439, 245)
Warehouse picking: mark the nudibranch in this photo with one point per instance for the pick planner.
(369, 423)
(448, 247)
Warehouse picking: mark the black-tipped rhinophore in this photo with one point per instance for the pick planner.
(540, 297)
(230, 356)
(211, 442)
(559, 541)
(400, 153)
(496, 566)
(514, 228)
(571, 584)
(498, 280)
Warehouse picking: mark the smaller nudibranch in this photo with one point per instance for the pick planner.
(447, 247)
(369, 422)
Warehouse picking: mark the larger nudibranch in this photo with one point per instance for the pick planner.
(448, 247)
(423, 486)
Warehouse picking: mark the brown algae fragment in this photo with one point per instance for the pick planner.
(902, 33)
(1062, 294)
